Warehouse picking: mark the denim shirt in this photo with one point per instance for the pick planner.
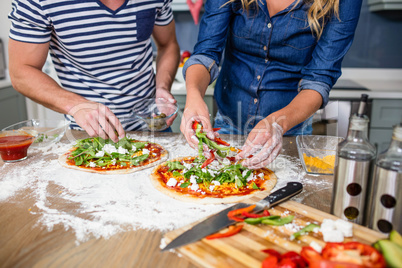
(268, 60)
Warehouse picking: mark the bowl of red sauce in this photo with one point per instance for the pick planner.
(14, 144)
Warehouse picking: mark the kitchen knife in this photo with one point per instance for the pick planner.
(220, 220)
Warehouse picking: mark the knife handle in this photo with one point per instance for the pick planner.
(291, 189)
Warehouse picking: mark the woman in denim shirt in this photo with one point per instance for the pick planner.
(281, 58)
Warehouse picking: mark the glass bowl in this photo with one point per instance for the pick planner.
(48, 131)
(157, 113)
(14, 144)
(318, 153)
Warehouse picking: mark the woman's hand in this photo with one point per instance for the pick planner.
(265, 141)
(195, 110)
(97, 120)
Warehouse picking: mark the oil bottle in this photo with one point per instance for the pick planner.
(355, 156)
(386, 211)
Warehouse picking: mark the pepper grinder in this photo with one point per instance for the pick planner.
(387, 187)
(355, 156)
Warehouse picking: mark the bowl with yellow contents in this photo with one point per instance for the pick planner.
(318, 153)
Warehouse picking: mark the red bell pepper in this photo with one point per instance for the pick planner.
(272, 252)
(233, 213)
(354, 253)
(215, 129)
(287, 260)
(209, 160)
(287, 263)
(252, 215)
(220, 141)
(310, 255)
(266, 213)
(233, 229)
(270, 262)
(195, 125)
(295, 258)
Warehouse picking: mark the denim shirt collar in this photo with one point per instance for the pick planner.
(262, 4)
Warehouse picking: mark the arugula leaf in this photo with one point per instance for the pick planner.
(136, 160)
(174, 165)
(255, 187)
(138, 145)
(184, 184)
(176, 173)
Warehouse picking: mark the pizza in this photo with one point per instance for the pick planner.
(106, 157)
(221, 181)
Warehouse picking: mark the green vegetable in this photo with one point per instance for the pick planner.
(392, 253)
(185, 184)
(255, 221)
(137, 160)
(255, 187)
(278, 222)
(305, 230)
(395, 237)
(176, 173)
(174, 165)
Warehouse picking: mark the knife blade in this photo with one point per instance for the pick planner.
(220, 220)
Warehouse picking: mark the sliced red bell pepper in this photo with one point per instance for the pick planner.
(266, 213)
(215, 129)
(270, 262)
(362, 254)
(220, 141)
(273, 252)
(232, 214)
(295, 257)
(231, 158)
(286, 263)
(252, 215)
(310, 255)
(233, 229)
(195, 125)
(209, 160)
(332, 264)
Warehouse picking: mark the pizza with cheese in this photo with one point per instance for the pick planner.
(106, 157)
(222, 181)
(215, 179)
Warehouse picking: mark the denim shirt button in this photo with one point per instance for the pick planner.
(265, 48)
(259, 77)
(269, 25)
(266, 60)
(255, 100)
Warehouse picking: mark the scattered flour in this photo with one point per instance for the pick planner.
(103, 205)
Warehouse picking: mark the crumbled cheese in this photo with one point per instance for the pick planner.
(204, 170)
(145, 151)
(113, 161)
(226, 161)
(316, 246)
(244, 173)
(171, 182)
(336, 231)
(121, 150)
(109, 148)
(92, 164)
(211, 187)
(217, 183)
(193, 179)
(345, 227)
(187, 165)
(261, 175)
(292, 227)
(100, 154)
(194, 187)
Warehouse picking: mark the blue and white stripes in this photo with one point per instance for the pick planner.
(98, 53)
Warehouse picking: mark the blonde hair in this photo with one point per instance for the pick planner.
(317, 15)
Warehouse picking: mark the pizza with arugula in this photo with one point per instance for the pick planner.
(102, 156)
(215, 179)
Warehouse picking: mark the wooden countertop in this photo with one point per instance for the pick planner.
(24, 243)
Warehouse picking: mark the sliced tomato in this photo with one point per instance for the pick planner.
(270, 262)
(233, 229)
(234, 213)
(309, 255)
(354, 253)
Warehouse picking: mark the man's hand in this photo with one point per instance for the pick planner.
(266, 140)
(97, 120)
(168, 109)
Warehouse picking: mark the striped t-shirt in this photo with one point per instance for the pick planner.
(100, 54)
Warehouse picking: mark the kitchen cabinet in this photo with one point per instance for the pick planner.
(181, 101)
(12, 107)
(384, 115)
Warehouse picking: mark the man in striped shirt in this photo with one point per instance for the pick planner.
(103, 56)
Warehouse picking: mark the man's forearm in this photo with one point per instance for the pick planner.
(167, 62)
(42, 89)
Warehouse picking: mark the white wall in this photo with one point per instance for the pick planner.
(5, 8)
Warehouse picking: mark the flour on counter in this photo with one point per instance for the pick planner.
(103, 205)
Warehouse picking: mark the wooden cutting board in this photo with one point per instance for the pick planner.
(244, 248)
